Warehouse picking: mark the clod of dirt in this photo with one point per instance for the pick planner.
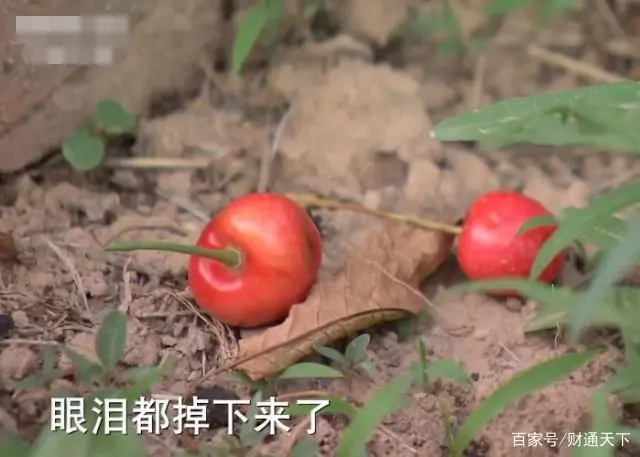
(6, 325)
(16, 362)
(92, 205)
(379, 282)
(344, 115)
(217, 414)
(374, 20)
(200, 132)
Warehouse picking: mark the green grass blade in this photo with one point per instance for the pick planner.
(382, 403)
(547, 119)
(521, 385)
(308, 370)
(578, 222)
(615, 263)
(619, 308)
(247, 35)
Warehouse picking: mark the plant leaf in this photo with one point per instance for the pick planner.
(521, 385)
(145, 378)
(51, 443)
(578, 222)
(502, 7)
(111, 117)
(87, 370)
(247, 35)
(448, 369)
(128, 444)
(336, 406)
(12, 444)
(619, 308)
(548, 119)
(356, 350)
(329, 353)
(305, 448)
(111, 340)
(539, 221)
(83, 151)
(310, 370)
(615, 263)
(384, 402)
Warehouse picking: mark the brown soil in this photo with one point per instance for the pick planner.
(343, 114)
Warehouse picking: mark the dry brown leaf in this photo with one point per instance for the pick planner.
(379, 282)
(8, 249)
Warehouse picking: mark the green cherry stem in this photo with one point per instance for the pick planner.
(230, 257)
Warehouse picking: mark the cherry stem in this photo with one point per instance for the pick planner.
(427, 224)
(229, 257)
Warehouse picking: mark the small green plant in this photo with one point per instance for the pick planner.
(355, 354)
(101, 384)
(85, 148)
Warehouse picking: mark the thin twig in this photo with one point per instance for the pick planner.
(162, 163)
(574, 66)
(309, 200)
(26, 342)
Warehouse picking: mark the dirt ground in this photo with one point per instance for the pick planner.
(341, 110)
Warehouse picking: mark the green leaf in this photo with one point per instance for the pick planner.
(607, 233)
(12, 444)
(337, 406)
(602, 422)
(249, 437)
(502, 7)
(578, 222)
(305, 448)
(144, 378)
(111, 340)
(111, 118)
(123, 445)
(356, 350)
(551, 9)
(87, 370)
(555, 119)
(615, 263)
(248, 33)
(619, 308)
(448, 369)
(384, 402)
(306, 370)
(83, 151)
(541, 292)
(521, 385)
(51, 443)
(330, 353)
(536, 222)
(274, 11)
(406, 327)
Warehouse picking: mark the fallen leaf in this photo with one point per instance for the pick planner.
(8, 249)
(379, 282)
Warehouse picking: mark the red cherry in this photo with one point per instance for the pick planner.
(488, 247)
(281, 253)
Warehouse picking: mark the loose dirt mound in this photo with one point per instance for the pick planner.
(347, 117)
